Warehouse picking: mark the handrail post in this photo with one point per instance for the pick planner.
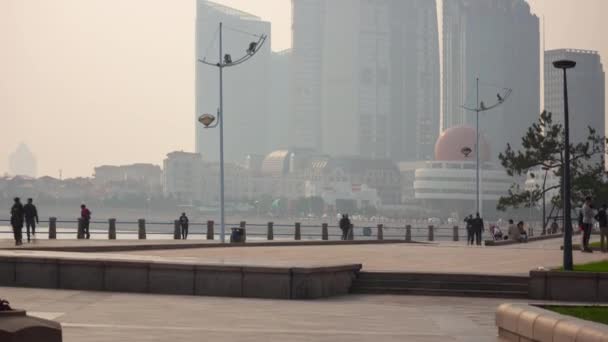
(210, 230)
(141, 231)
(270, 231)
(177, 234)
(80, 230)
(112, 229)
(52, 228)
(297, 232)
(431, 233)
(243, 225)
(455, 233)
(408, 233)
(380, 233)
(324, 232)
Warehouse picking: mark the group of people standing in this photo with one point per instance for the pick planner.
(21, 214)
(474, 229)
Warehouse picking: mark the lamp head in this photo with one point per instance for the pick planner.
(252, 47)
(227, 59)
(206, 119)
(564, 64)
(466, 151)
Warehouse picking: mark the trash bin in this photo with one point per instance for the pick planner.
(367, 231)
(237, 235)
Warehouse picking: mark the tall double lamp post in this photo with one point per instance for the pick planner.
(224, 61)
(568, 263)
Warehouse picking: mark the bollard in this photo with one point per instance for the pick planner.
(431, 233)
(141, 232)
(112, 229)
(297, 233)
(210, 230)
(324, 232)
(380, 232)
(243, 225)
(351, 234)
(456, 237)
(270, 231)
(408, 233)
(177, 234)
(52, 228)
(80, 230)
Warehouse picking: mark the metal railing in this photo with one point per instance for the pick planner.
(53, 228)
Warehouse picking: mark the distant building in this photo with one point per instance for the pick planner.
(586, 92)
(280, 100)
(22, 162)
(183, 176)
(246, 87)
(448, 184)
(142, 178)
(497, 41)
(360, 173)
(365, 78)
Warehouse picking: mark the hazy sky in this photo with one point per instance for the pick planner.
(91, 82)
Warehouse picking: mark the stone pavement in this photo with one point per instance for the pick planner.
(101, 317)
(442, 257)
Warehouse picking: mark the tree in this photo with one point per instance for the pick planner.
(542, 148)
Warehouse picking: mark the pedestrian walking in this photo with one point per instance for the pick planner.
(602, 219)
(85, 218)
(183, 222)
(588, 216)
(469, 225)
(31, 218)
(17, 221)
(477, 226)
(345, 226)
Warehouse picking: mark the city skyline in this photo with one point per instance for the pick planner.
(80, 96)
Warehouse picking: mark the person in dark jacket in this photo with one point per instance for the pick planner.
(17, 215)
(31, 218)
(469, 225)
(477, 227)
(602, 219)
(345, 226)
(183, 222)
(85, 217)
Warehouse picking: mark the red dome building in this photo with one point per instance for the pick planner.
(450, 145)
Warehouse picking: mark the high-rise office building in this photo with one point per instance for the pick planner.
(246, 86)
(22, 162)
(586, 96)
(498, 42)
(365, 77)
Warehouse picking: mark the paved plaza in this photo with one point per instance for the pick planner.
(446, 257)
(100, 317)
(441, 257)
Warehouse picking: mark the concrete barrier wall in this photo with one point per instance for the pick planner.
(521, 322)
(569, 286)
(177, 278)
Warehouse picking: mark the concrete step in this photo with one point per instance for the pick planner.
(443, 277)
(436, 284)
(431, 284)
(439, 292)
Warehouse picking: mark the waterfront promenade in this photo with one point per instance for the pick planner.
(109, 317)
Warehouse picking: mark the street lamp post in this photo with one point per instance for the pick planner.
(568, 263)
(225, 60)
(481, 107)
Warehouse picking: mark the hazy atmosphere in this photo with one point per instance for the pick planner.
(91, 82)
